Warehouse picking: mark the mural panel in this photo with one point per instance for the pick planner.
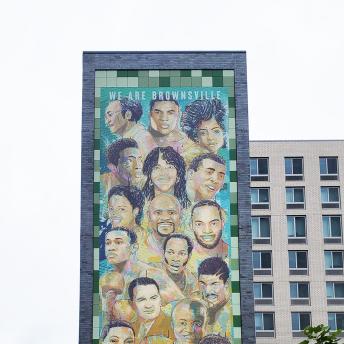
(165, 221)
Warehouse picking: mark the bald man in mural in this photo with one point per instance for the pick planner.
(164, 218)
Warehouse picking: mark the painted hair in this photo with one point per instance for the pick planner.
(214, 339)
(133, 106)
(114, 149)
(112, 324)
(163, 97)
(179, 236)
(130, 233)
(209, 203)
(133, 195)
(214, 266)
(173, 158)
(202, 110)
(211, 156)
(140, 281)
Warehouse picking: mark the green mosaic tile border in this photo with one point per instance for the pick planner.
(169, 78)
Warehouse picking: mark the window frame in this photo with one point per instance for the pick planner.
(294, 226)
(299, 327)
(328, 319)
(332, 268)
(259, 176)
(261, 239)
(295, 205)
(260, 205)
(332, 238)
(298, 270)
(328, 203)
(293, 176)
(261, 291)
(263, 332)
(328, 176)
(298, 291)
(333, 283)
(261, 270)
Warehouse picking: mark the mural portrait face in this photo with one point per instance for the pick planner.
(117, 247)
(164, 214)
(207, 225)
(147, 301)
(120, 335)
(189, 322)
(164, 116)
(208, 179)
(130, 164)
(121, 212)
(164, 176)
(213, 290)
(176, 255)
(210, 135)
(114, 118)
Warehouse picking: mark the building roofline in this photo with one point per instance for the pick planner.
(167, 51)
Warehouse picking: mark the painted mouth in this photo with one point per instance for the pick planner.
(150, 311)
(174, 268)
(116, 219)
(211, 188)
(211, 297)
(207, 238)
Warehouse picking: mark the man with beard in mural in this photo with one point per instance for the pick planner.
(189, 321)
(145, 297)
(177, 249)
(164, 216)
(120, 247)
(206, 176)
(214, 284)
(125, 163)
(164, 119)
(207, 222)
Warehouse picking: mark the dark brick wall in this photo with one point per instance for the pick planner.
(236, 61)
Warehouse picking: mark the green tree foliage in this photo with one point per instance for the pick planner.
(320, 335)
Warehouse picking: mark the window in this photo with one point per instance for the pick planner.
(335, 293)
(260, 229)
(260, 198)
(262, 262)
(336, 321)
(330, 196)
(259, 169)
(299, 293)
(296, 229)
(293, 168)
(300, 320)
(334, 262)
(298, 264)
(295, 197)
(264, 323)
(263, 293)
(332, 229)
(328, 168)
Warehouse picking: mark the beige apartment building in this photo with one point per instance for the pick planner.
(297, 192)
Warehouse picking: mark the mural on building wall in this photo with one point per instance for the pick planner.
(163, 221)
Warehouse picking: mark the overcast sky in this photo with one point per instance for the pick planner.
(295, 54)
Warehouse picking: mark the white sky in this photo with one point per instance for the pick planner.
(295, 54)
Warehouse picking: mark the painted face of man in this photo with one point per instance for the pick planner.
(176, 255)
(164, 116)
(120, 335)
(189, 323)
(164, 176)
(213, 289)
(121, 212)
(208, 179)
(130, 164)
(164, 214)
(207, 225)
(114, 118)
(210, 135)
(147, 301)
(117, 247)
